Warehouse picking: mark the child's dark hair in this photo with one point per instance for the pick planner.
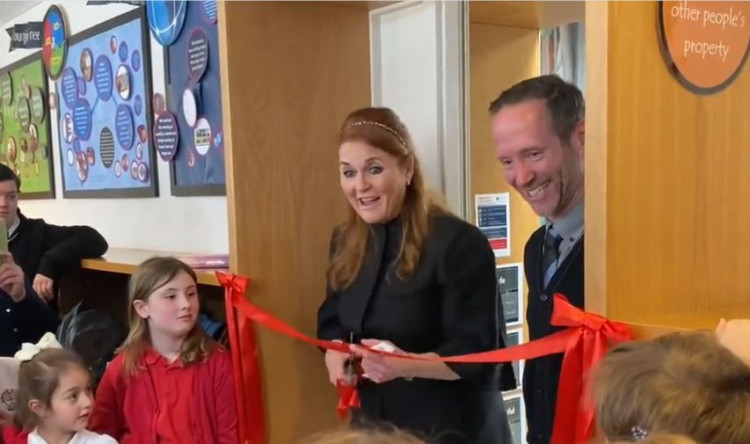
(39, 378)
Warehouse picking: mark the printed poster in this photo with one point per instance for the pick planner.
(515, 337)
(514, 408)
(510, 291)
(493, 218)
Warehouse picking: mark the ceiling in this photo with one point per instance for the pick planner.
(9, 10)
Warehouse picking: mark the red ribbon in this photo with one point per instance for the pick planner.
(584, 343)
(348, 398)
(246, 365)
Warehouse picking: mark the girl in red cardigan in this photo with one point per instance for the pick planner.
(170, 382)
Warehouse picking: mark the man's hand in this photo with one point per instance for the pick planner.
(44, 287)
(12, 279)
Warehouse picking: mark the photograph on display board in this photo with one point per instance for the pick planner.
(25, 143)
(510, 280)
(104, 111)
(193, 103)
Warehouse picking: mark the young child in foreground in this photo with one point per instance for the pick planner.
(170, 382)
(661, 439)
(54, 397)
(681, 383)
(363, 436)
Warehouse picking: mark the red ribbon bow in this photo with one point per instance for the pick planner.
(584, 343)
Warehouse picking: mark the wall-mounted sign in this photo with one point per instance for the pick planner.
(25, 35)
(705, 43)
(54, 42)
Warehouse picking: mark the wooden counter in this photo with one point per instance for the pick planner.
(126, 260)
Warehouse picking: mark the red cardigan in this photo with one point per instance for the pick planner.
(126, 406)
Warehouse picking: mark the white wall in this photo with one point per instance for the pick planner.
(178, 224)
(417, 70)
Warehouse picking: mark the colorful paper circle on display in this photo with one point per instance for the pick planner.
(139, 151)
(106, 147)
(166, 19)
(11, 152)
(142, 133)
(71, 157)
(142, 172)
(123, 82)
(52, 100)
(123, 52)
(211, 10)
(191, 158)
(166, 136)
(6, 88)
(189, 107)
(118, 169)
(90, 156)
(135, 60)
(133, 170)
(125, 162)
(24, 147)
(87, 64)
(704, 44)
(159, 103)
(69, 85)
(103, 77)
(33, 132)
(82, 167)
(82, 119)
(197, 54)
(55, 42)
(24, 113)
(124, 126)
(66, 127)
(202, 136)
(137, 105)
(113, 44)
(37, 105)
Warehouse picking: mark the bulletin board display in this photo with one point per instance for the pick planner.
(25, 126)
(194, 100)
(104, 111)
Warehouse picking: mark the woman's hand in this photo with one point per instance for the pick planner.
(335, 364)
(379, 368)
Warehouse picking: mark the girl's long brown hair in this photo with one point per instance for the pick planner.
(150, 276)
(382, 128)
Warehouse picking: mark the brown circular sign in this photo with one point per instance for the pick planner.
(705, 43)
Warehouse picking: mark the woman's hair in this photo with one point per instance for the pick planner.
(660, 439)
(39, 378)
(149, 277)
(682, 383)
(364, 436)
(382, 129)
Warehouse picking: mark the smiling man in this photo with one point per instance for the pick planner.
(538, 132)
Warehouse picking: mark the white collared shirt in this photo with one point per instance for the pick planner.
(84, 437)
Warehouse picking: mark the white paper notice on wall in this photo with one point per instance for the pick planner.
(493, 218)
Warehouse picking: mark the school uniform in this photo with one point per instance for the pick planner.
(564, 275)
(449, 306)
(168, 402)
(83, 437)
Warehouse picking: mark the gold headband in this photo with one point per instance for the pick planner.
(381, 126)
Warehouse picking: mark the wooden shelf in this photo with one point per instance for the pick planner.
(126, 260)
(651, 326)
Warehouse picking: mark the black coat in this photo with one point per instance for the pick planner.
(541, 375)
(25, 321)
(39, 247)
(448, 306)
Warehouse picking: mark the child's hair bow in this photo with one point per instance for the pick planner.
(28, 350)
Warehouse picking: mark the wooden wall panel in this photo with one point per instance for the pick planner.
(290, 74)
(677, 176)
(499, 56)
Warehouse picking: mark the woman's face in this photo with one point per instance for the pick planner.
(373, 181)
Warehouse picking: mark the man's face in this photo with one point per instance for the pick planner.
(545, 170)
(8, 202)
